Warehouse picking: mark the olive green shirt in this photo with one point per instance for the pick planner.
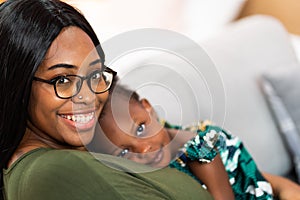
(45, 174)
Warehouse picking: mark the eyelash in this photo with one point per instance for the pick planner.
(123, 153)
(58, 75)
(137, 130)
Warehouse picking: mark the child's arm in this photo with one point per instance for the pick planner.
(214, 176)
(283, 188)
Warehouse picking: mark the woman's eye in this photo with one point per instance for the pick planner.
(63, 80)
(96, 76)
(140, 130)
(123, 153)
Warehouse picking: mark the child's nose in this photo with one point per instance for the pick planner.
(142, 147)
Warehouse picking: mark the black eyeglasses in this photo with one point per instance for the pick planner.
(68, 86)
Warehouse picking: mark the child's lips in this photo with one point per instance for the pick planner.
(157, 158)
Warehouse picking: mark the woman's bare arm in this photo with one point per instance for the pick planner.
(214, 176)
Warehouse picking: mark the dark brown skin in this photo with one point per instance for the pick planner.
(214, 176)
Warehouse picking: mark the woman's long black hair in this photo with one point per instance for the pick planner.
(27, 29)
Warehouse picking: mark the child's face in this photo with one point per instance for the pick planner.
(136, 134)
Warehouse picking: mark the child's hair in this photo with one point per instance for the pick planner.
(117, 92)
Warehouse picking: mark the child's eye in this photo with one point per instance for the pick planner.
(123, 153)
(140, 130)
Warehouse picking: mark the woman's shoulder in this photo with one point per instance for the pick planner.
(36, 158)
(57, 174)
(53, 162)
(69, 174)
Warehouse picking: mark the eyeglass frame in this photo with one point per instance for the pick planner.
(54, 80)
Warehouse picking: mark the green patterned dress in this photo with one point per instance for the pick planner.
(246, 180)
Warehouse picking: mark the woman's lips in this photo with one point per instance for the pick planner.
(80, 121)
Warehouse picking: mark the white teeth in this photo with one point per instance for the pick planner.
(80, 118)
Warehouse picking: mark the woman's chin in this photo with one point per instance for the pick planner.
(80, 139)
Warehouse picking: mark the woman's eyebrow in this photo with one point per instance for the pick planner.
(68, 66)
(62, 65)
(95, 62)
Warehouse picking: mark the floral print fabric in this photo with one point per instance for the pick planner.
(246, 180)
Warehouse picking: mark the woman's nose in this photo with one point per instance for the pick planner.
(85, 94)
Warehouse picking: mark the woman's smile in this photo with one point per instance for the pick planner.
(80, 122)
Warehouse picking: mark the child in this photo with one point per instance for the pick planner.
(207, 152)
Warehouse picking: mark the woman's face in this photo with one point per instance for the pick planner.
(133, 132)
(66, 122)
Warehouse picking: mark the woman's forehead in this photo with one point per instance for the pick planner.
(72, 46)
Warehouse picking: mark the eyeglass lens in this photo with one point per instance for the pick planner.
(69, 86)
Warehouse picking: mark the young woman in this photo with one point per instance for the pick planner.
(53, 87)
(206, 152)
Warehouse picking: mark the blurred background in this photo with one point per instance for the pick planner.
(194, 18)
(197, 19)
